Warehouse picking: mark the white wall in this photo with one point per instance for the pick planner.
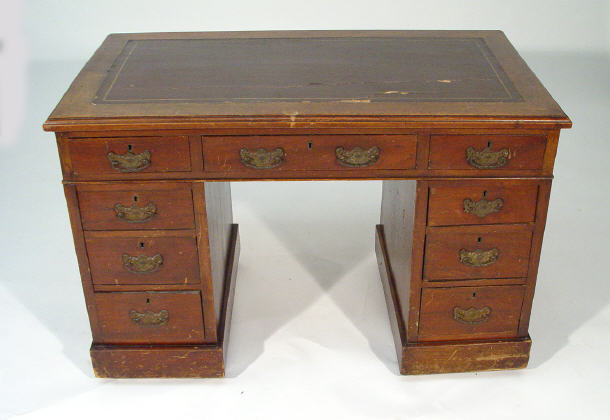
(72, 29)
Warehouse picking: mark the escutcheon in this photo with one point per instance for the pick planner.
(357, 157)
(129, 162)
(479, 257)
(487, 158)
(142, 264)
(483, 207)
(149, 317)
(262, 158)
(471, 316)
(135, 214)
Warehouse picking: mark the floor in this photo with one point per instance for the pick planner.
(310, 336)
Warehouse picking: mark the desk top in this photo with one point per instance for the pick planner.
(304, 77)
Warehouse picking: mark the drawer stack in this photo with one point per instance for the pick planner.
(476, 259)
(140, 240)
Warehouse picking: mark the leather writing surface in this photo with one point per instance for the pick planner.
(375, 69)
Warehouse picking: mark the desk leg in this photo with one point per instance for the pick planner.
(218, 252)
(503, 343)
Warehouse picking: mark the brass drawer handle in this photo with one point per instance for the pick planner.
(135, 214)
(261, 158)
(478, 257)
(483, 207)
(142, 264)
(149, 317)
(486, 158)
(130, 162)
(471, 316)
(357, 157)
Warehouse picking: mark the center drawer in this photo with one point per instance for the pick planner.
(133, 257)
(477, 252)
(274, 154)
(150, 317)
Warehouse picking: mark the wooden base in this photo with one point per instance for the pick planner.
(196, 361)
(443, 357)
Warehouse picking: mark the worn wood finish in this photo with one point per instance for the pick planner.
(416, 358)
(175, 361)
(219, 230)
(173, 204)
(449, 151)
(454, 116)
(89, 156)
(119, 313)
(446, 206)
(307, 153)
(178, 250)
(465, 356)
(500, 319)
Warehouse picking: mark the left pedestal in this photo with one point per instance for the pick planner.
(158, 262)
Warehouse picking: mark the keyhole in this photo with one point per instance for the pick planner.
(479, 239)
(135, 198)
(141, 244)
(147, 301)
(473, 295)
(488, 144)
(485, 193)
(310, 145)
(129, 147)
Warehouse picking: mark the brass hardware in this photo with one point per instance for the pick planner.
(130, 162)
(149, 317)
(471, 316)
(142, 264)
(478, 257)
(135, 214)
(261, 158)
(483, 207)
(357, 157)
(486, 158)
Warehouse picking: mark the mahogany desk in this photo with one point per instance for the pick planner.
(155, 126)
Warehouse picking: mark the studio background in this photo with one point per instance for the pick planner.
(310, 336)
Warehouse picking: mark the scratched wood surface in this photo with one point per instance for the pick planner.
(283, 77)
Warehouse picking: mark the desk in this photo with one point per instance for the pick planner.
(155, 127)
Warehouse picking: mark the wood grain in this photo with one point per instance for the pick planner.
(449, 151)
(446, 206)
(185, 323)
(173, 202)
(177, 248)
(443, 245)
(437, 320)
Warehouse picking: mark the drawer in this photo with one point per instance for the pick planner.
(142, 257)
(150, 317)
(477, 252)
(129, 155)
(470, 312)
(475, 203)
(486, 152)
(255, 154)
(128, 206)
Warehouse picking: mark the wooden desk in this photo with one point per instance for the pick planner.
(155, 126)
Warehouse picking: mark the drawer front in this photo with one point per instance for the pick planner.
(470, 312)
(142, 258)
(274, 154)
(486, 152)
(150, 317)
(471, 253)
(482, 203)
(127, 156)
(136, 206)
